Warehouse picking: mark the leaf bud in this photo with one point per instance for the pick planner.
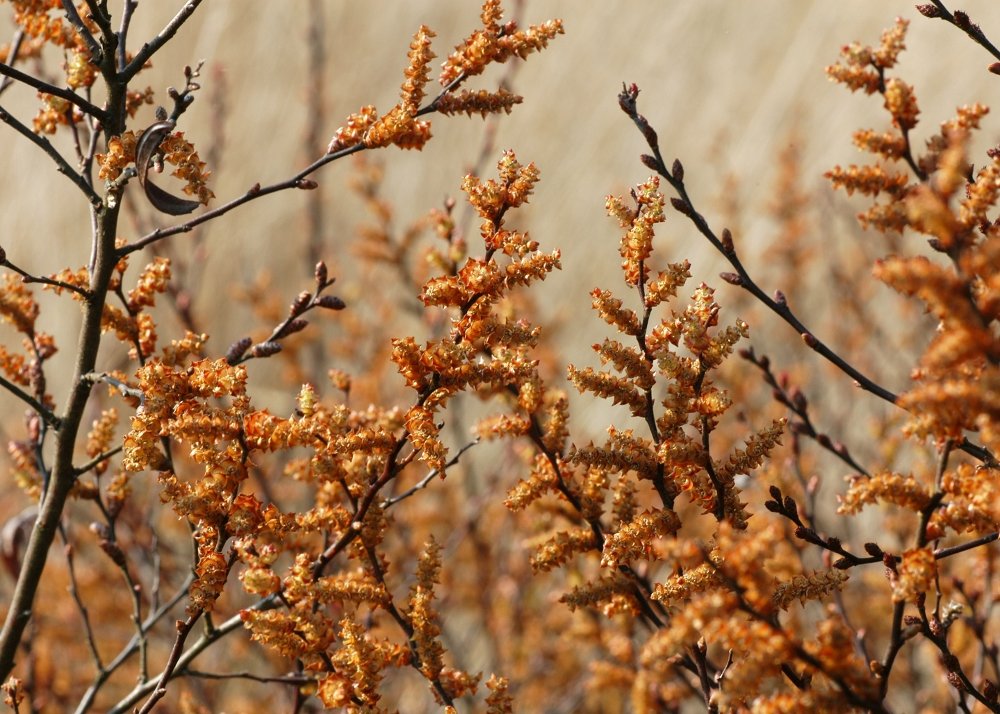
(330, 302)
(237, 349)
(677, 171)
(727, 241)
(265, 349)
(293, 326)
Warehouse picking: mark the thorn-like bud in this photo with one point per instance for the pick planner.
(302, 302)
(254, 190)
(306, 184)
(732, 278)
(677, 171)
(928, 10)
(994, 68)
(962, 20)
(810, 340)
(237, 349)
(779, 297)
(727, 241)
(330, 302)
(265, 349)
(681, 206)
(293, 326)
(824, 441)
(873, 550)
(320, 273)
(3, 256)
(649, 162)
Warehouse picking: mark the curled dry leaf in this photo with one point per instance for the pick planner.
(162, 200)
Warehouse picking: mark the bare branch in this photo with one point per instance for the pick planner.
(62, 166)
(151, 47)
(46, 88)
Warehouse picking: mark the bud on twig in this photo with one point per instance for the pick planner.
(649, 162)
(237, 349)
(330, 302)
(677, 171)
(321, 274)
(928, 10)
(732, 278)
(727, 241)
(265, 349)
(302, 301)
(293, 326)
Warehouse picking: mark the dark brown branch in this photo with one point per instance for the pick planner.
(962, 21)
(77, 22)
(151, 47)
(724, 245)
(62, 166)
(15, 47)
(46, 88)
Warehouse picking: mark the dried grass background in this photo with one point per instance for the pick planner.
(727, 84)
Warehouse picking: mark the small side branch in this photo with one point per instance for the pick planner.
(44, 412)
(45, 145)
(151, 47)
(46, 88)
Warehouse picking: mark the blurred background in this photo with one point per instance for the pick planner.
(729, 87)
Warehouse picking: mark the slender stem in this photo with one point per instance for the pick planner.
(189, 655)
(151, 47)
(44, 412)
(159, 691)
(63, 474)
(15, 47)
(45, 145)
(46, 88)
(77, 22)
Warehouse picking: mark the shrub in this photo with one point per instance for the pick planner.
(414, 516)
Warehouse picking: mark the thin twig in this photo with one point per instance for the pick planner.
(41, 279)
(46, 88)
(257, 191)
(425, 481)
(293, 679)
(207, 639)
(44, 412)
(61, 164)
(962, 21)
(127, 10)
(724, 245)
(77, 22)
(15, 48)
(98, 459)
(150, 48)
